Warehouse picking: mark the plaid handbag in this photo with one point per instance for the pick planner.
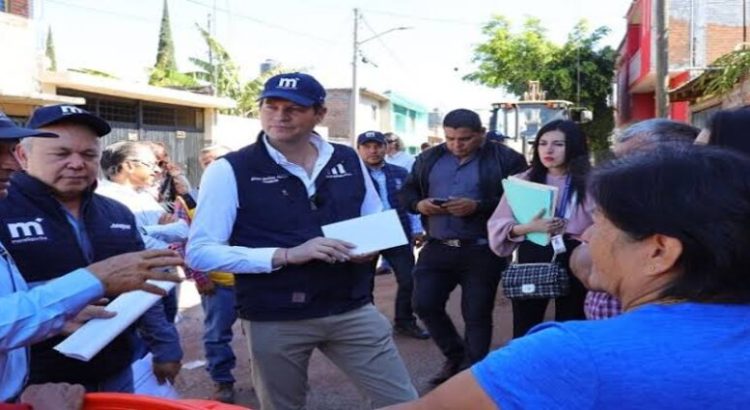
(535, 281)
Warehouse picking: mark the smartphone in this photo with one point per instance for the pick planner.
(439, 201)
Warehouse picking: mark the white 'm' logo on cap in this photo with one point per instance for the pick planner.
(69, 109)
(288, 83)
(370, 134)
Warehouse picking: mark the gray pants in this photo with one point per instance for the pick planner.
(359, 342)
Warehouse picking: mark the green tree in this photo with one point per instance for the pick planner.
(164, 73)
(49, 50)
(94, 72)
(248, 102)
(220, 70)
(509, 59)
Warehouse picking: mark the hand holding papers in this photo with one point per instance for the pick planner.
(369, 233)
(87, 341)
(527, 199)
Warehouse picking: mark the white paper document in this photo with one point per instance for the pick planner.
(144, 380)
(87, 341)
(370, 233)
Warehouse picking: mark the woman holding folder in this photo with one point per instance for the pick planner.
(560, 159)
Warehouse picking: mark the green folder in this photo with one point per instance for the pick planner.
(526, 200)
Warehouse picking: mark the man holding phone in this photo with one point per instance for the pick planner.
(456, 186)
(439, 201)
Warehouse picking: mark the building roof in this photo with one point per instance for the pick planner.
(37, 98)
(692, 89)
(398, 99)
(363, 91)
(136, 91)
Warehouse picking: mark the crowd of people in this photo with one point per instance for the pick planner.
(654, 241)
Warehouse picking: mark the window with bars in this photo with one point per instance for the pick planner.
(153, 115)
(118, 111)
(169, 116)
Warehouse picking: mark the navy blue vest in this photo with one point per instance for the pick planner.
(395, 176)
(275, 211)
(36, 231)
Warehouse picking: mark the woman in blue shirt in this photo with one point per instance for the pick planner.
(670, 238)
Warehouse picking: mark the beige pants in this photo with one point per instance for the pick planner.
(359, 342)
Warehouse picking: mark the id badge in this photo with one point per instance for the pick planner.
(558, 244)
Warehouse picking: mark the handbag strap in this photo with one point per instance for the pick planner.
(567, 192)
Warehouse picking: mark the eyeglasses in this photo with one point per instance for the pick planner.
(149, 165)
(391, 141)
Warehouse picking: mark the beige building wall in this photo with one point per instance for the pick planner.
(17, 40)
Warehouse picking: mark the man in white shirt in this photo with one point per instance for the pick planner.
(260, 212)
(396, 152)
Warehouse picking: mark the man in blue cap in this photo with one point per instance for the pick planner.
(496, 136)
(53, 223)
(31, 315)
(388, 180)
(259, 216)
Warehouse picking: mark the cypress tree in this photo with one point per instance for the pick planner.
(165, 59)
(50, 51)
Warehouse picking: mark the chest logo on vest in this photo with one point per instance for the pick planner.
(338, 172)
(269, 179)
(27, 231)
(122, 227)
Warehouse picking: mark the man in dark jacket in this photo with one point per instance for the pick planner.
(54, 223)
(456, 187)
(388, 180)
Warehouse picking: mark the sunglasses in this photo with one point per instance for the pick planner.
(149, 165)
(390, 141)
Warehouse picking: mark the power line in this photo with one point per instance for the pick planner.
(232, 14)
(114, 13)
(383, 44)
(432, 19)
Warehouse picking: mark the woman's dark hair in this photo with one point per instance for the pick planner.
(699, 195)
(576, 156)
(115, 154)
(729, 128)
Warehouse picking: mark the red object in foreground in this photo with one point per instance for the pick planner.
(124, 401)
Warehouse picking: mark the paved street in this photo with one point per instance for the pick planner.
(329, 388)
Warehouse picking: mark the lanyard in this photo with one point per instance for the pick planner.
(560, 213)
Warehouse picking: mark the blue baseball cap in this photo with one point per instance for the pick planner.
(495, 136)
(371, 136)
(10, 131)
(55, 114)
(299, 88)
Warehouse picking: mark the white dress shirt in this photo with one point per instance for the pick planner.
(147, 212)
(208, 248)
(402, 159)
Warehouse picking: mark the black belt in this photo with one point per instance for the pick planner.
(459, 243)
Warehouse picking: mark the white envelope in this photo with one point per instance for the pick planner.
(370, 233)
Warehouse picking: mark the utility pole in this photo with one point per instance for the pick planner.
(744, 23)
(662, 58)
(211, 59)
(355, 85)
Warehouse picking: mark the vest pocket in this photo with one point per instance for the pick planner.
(273, 291)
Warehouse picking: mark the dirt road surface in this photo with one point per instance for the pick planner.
(329, 388)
